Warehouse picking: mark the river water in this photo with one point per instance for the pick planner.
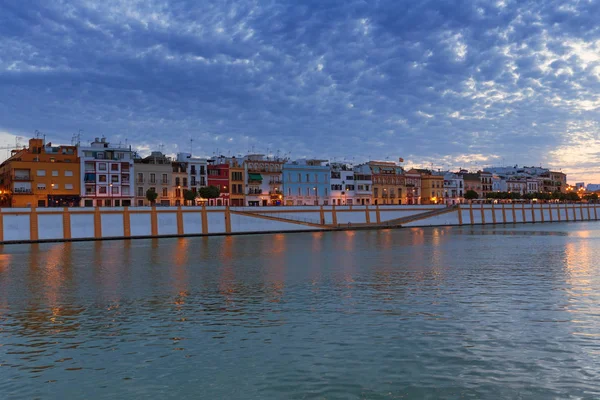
(463, 312)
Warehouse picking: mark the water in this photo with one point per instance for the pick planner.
(469, 313)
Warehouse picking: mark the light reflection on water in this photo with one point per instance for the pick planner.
(471, 312)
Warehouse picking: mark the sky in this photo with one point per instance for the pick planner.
(442, 83)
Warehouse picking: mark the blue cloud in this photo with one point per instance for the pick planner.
(433, 82)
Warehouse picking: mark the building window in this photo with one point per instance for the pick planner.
(299, 177)
(68, 173)
(114, 178)
(55, 186)
(325, 195)
(307, 177)
(152, 178)
(177, 181)
(54, 173)
(177, 192)
(102, 166)
(184, 181)
(140, 192)
(140, 177)
(114, 167)
(41, 172)
(101, 178)
(125, 192)
(68, 186)
(299, 192)
(102, 189)
(115, 190)
(165, 179)
(41, 186)
(165, 192)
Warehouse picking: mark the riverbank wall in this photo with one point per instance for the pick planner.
(60, 224)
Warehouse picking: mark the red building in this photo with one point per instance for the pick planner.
(218, 175)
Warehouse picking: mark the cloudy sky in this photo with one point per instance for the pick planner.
(446, 82)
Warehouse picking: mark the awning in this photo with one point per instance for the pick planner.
(254, 177)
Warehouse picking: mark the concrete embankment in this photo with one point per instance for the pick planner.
(61, 224)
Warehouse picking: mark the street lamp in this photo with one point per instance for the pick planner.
(110, 193)
(316, 196)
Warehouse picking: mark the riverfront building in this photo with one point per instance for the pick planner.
(412, 192)
(106, 174)
(388, 182)
(306, 182)
(363, 182)
(343, 188)
(432, 186)
(41, 175)
(265, 181)
(237, 181)
(154, 173)
(454, 188)
(218, 176)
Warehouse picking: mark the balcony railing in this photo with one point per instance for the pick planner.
(22, 191)
(254, 191)
(275, 192)
(22, 178)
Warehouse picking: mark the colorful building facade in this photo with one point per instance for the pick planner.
(306, 182)
(41, 175)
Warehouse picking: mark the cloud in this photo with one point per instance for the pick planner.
(456, 82)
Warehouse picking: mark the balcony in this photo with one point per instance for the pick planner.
(275, 182)
(254, 192)
(138, 180)
(22, 191)
(22, 178)
(275, 192)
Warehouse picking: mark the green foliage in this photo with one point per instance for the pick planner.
(471, 195)
(209, 192)
(188, 195)
(151, 195)
(591, 197)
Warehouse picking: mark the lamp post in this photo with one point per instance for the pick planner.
(110, 193)
(316, 195)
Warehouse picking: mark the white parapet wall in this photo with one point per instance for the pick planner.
(55, 224)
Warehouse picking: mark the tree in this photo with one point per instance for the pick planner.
(151, 195)
(209, 192)
(471, 195)
(591, 197)
(189, 196)
(572, 196)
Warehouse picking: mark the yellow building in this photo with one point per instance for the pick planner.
(237, 179)
(432, 187)
(41, 175)
(388, 182)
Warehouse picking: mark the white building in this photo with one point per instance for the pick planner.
(453, 188)
(106, 174)
(593, 187)
(343, 188)
(197, 172)
(363, 181)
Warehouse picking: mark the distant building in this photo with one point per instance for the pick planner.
(106, 174)
(155, 173)
(432, 187)
(264, 180)
(218, 176)
(306, 182)
(388, 182)
(363, 181)
(454, 188)
(41, 175)
(343, 188)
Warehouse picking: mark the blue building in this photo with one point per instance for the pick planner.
(306, 182)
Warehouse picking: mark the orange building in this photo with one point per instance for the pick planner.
(41, 175)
